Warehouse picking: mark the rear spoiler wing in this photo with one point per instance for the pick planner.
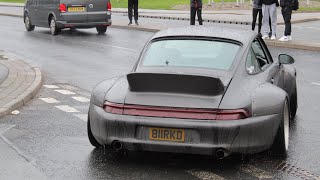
(175, 83)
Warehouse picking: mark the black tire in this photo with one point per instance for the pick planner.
(27, 23)
(101, 29)
(281, 142)
(91, 138)
(54, 30)
(293, 105)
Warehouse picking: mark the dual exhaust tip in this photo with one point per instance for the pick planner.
(220, 153)
(116, 145)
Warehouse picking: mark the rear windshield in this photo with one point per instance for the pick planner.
(191, 53)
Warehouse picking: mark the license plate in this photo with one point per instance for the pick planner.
(76, 9)
(166, 134)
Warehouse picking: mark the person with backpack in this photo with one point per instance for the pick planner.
(287, 6)
(195, 8)
(269, 11)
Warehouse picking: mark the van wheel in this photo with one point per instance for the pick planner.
(101, 29)
(54, 30)
(27, 23)
(281, 142)
(91, 138)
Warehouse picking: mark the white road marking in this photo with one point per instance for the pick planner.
(318, 84)
(108, 45)
(81, 99)
(205, 175)
(51, 86)
(256, 172)
(49, 100)
(65, 92)
(5, 127)
(83, 117)
(67, 108)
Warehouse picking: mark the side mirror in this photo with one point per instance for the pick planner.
(285, 59)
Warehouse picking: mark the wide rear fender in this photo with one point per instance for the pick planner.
(267, 99)
(99, 92)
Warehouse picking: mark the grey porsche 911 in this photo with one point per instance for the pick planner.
(198, 90)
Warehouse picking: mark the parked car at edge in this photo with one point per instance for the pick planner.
(200, 90)
(61, 14)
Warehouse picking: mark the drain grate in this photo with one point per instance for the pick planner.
(296, 171)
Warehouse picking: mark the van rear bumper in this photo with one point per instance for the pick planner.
(65, 24)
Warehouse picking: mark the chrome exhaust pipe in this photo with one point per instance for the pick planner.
(222, 153)
(116, 145)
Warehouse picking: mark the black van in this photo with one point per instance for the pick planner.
(60, 14)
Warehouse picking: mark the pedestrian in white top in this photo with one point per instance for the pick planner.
(269, 10)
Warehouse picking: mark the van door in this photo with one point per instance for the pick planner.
(33, 11)
(76, 11)
(43, 13)
(97, 10)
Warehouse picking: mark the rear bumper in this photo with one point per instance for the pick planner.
(65, 24)
(247, 136)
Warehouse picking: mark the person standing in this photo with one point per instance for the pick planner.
(133, 5)
(195, 8)
(287, 6)
(269, 9)
(256, 10)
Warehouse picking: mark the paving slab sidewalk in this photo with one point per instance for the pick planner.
(20, 83)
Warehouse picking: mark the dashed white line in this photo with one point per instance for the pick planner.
(51, 86)
(65, 92)
(318, 84)
(49, 100)
(81, 99)
(67, 108)
(256, 172)
(83, 117)
(205, 175)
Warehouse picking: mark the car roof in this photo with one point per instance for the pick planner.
(243, 36)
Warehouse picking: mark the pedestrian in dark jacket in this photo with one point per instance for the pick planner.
(286, 10)
(195, 8)
(133, 5)
(256, 10)
(269, 11)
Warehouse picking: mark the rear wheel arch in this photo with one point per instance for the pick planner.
(268, 99)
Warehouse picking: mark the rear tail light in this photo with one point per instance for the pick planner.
(109, 6)
(233, 114)
(62, 8)
(170, 112)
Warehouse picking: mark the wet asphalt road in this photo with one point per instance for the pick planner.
(56, 143)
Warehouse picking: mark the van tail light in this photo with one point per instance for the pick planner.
(109, 6)
(62, 8)
(172, 112)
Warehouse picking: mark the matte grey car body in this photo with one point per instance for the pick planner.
(267, 92)
(58, 14)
